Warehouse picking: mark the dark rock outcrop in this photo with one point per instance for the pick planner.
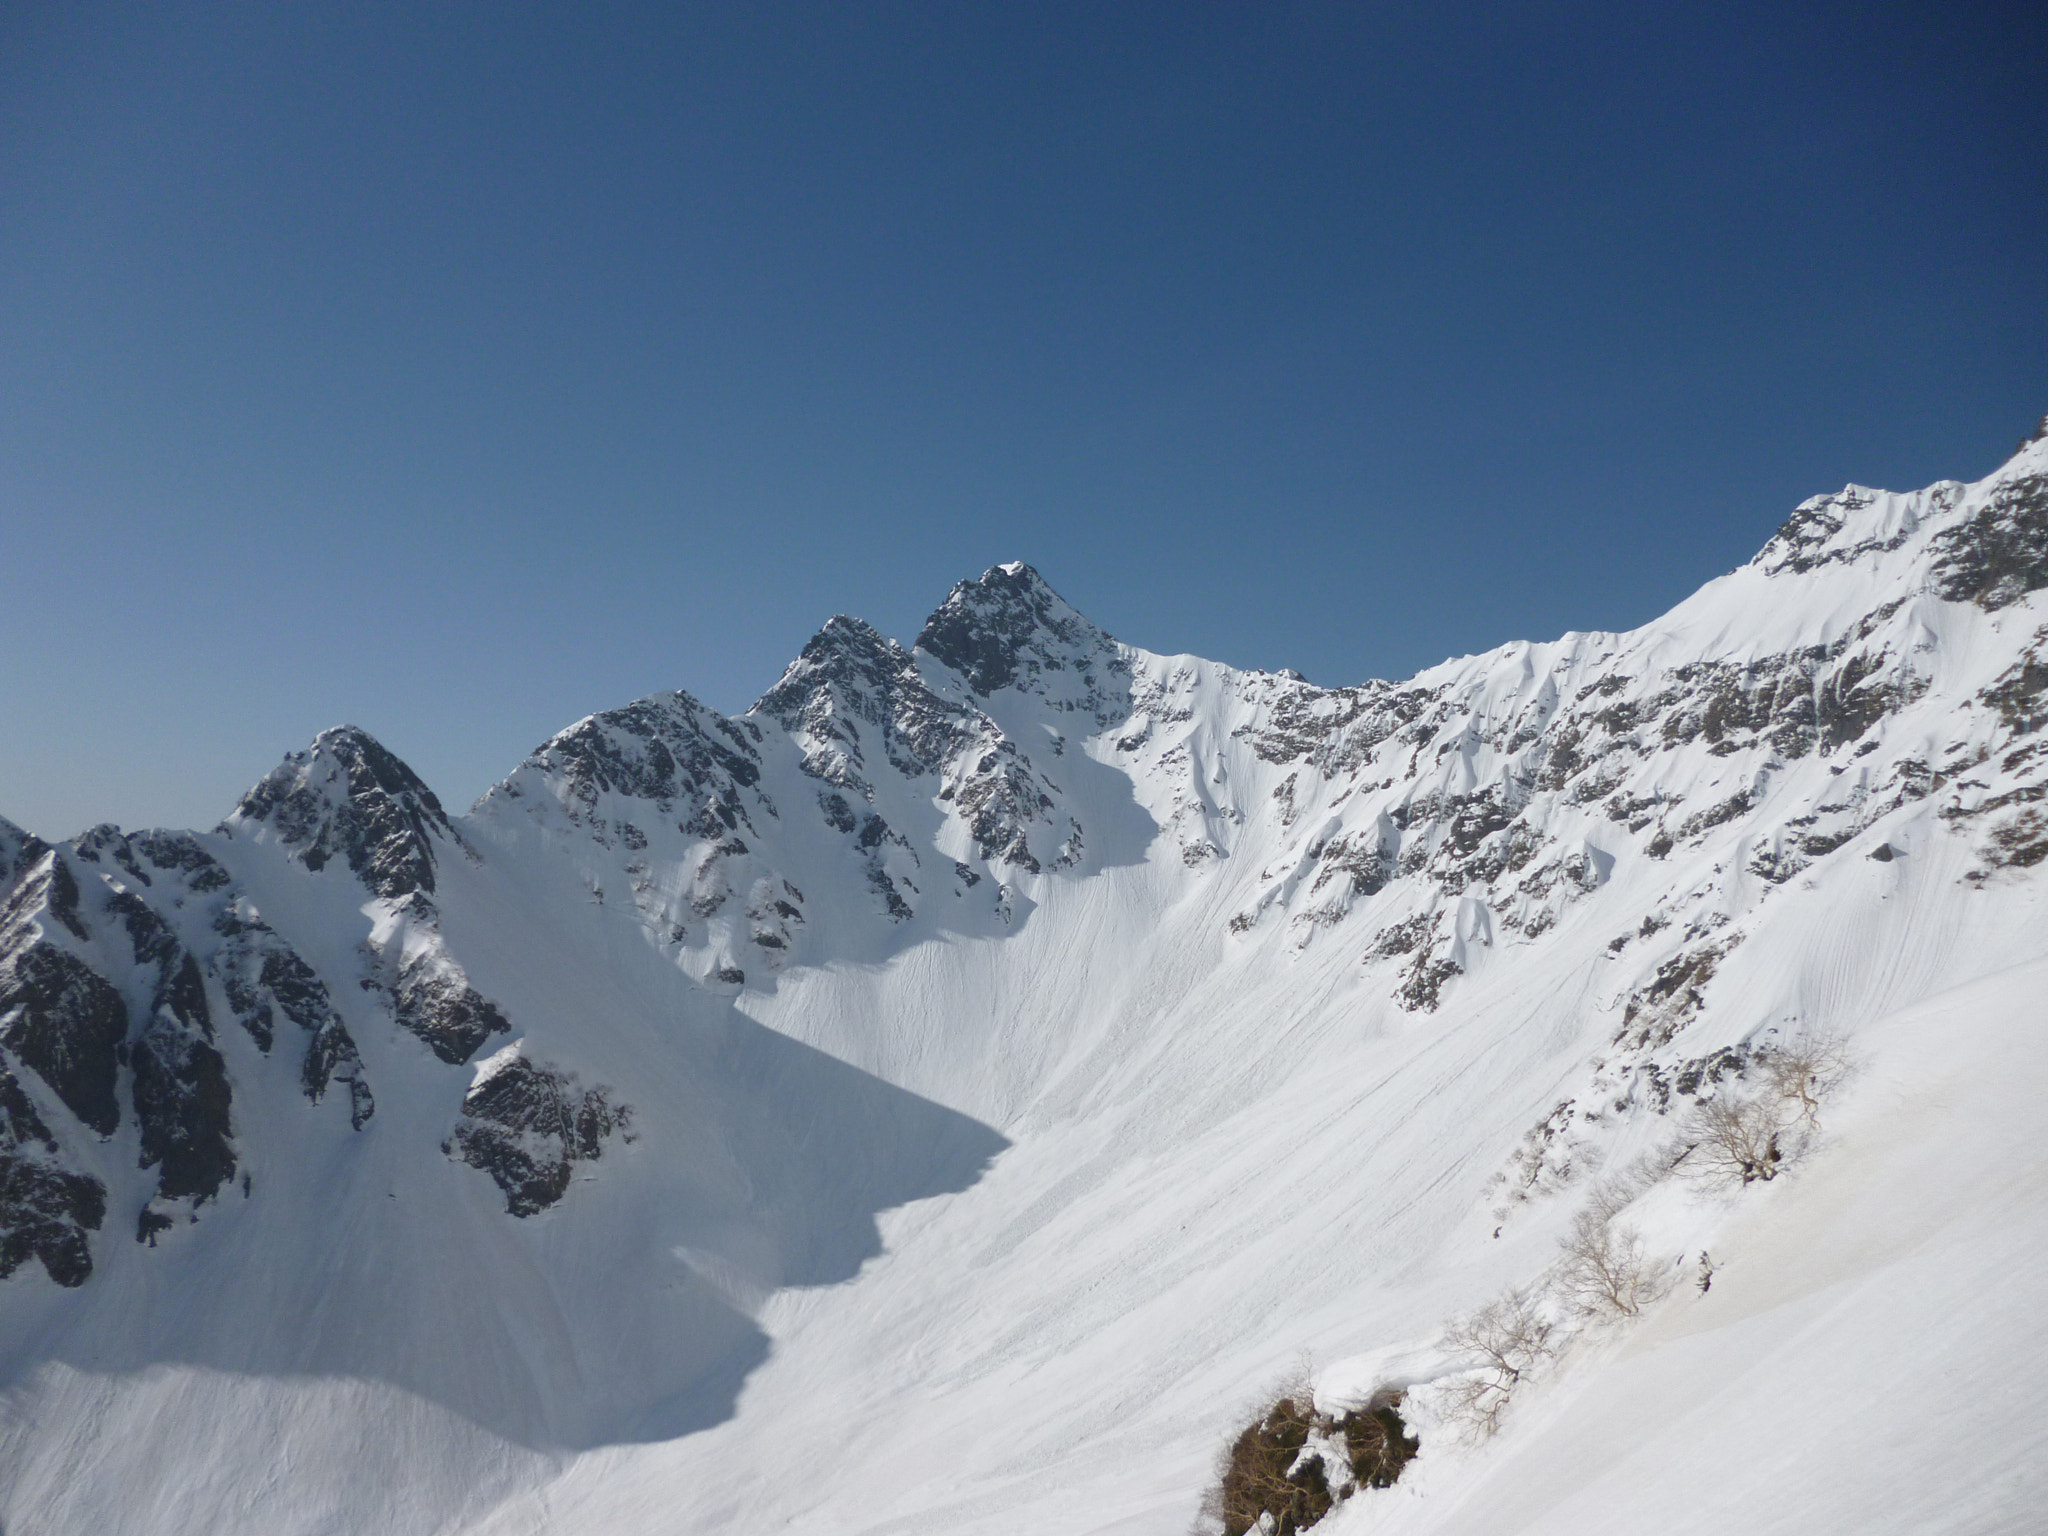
(1810, 537)
(851, 677)
(46, 1210)
(668, 749)
(527, 1125)
(67, 1024)
(331, 1057)
(1999, 554)
(857, 702)
(434, 1001)
(1009, 629)
(18, 850)
(182, 1099)
(264, 978)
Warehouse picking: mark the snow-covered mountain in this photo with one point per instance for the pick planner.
(943, 1097)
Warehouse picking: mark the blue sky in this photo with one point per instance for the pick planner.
(456, 370)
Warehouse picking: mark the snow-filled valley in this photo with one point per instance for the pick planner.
(951, 1095)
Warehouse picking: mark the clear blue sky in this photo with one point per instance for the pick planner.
(459, 370)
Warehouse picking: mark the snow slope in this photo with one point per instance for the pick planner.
(945, 1097)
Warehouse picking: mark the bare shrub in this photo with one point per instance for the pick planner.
(1258, 1477)
(1377, 1441)
(1802, 1072)
(1605, 1273)
(1509, 1337)
(1611, 1196)
(1738, 1140)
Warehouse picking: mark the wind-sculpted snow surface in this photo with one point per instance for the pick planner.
(943, 1097)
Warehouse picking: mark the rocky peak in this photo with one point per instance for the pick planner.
(1997, 552)
(668, 748)
(1854, 522)
(1989, 540)
(18, 849)
(347, 797)
(1008, 629)
(853, 689)
(855, 661)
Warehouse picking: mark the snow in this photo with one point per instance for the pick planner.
(1866, 1358)
(493, 1064)
(1000, 1217)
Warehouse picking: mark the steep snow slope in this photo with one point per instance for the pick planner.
(942, 1098)
(1864, 1361)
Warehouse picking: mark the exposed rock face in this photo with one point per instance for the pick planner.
(1812, 536)
(331, 1057)
(59, 1016)
(1594, 733)
(2001, 553)
(264, 979)
(18, 849)
(119, 953)
(46, 1210)
(661, 781)
(179, 1084)
(528, 1125)
(1009, 629)
(884, 735)
(850, 677)
(346, 797)
(65, 1023)
(181, 1089)
(854, 696)
(669, 749)
(435, 1001)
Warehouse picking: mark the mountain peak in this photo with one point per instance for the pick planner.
(17, 847)
(349, 796)
(1006, 628)
(848, 656)
(843, 635)
(1985, 543)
